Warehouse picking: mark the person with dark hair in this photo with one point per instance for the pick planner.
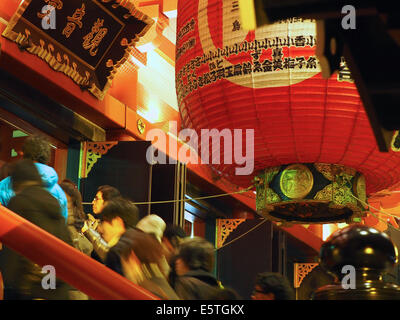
(117, 216)
(272, 286)
(38, 150)
(76, 217)
(133, 253)
(138, 256)
(121, 210)
(104, 193)
(23, 278)
(172, 237)
(194, 265)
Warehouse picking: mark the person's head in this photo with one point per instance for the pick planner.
(117, 216)
(194, 254)
(36, 148)
(25, 174)
(172, 237)
(76, 214)
(146, 248)
(152, 224)
(140, 255)
(272, 286)
(104, 193)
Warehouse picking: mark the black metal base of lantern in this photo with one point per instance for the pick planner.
(371, 290)
(311, 212)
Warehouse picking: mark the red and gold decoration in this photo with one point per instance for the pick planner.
(301, 270)
(269, 80)
(395, 144)
(224, 229)
(141, 125)
(91, 152)
(88, 48)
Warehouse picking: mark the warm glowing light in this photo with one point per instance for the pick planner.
(159, 76)
(171, 14)
(170, 31)
(327, 230)
(369, 250)
(151, 115)
(147, 47)
(151, 109)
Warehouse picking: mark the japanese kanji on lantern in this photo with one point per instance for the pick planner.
(269, 80)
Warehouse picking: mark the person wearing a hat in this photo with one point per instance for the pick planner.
(152, 224)
(155, 226)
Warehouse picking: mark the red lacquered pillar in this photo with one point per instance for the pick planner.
(71, 265)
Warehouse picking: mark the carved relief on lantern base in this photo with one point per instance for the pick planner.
(311, 193)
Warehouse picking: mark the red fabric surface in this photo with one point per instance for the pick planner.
(315, 120)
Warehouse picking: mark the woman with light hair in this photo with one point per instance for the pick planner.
(152, 224)
(155, 225)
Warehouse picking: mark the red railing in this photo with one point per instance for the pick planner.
(71, 265)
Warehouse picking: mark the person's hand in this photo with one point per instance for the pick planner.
(85, 227)
(92, 222)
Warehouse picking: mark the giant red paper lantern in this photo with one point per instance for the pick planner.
(269, 80)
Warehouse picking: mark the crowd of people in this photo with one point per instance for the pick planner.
(158, 257)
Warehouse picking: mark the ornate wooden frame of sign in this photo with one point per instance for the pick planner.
(87, 40)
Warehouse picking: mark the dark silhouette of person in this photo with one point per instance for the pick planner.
(193, 266)
(38, 149)
(23, 278)
(272, 286)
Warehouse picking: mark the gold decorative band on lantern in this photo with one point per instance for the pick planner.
(311, 193)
